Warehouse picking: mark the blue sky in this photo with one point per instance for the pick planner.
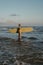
(26, 12)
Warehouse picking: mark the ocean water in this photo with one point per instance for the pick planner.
(31, 48)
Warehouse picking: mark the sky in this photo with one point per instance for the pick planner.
(25, 12)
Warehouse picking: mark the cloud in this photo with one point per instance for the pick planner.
(14, 15)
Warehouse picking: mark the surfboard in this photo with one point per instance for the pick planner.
(26, 29)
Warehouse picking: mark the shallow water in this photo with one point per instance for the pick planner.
(31, 47)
